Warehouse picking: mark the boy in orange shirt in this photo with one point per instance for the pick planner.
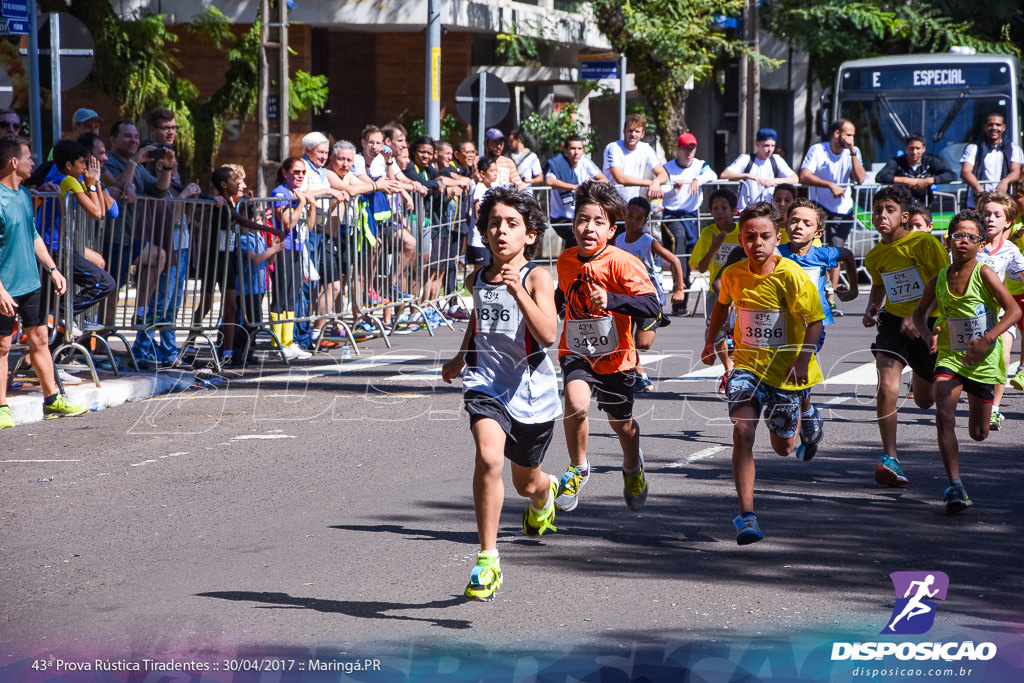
(601, 288)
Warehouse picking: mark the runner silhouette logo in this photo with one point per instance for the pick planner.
(914, 611)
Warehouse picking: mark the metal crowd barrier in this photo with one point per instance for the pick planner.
(370, 267)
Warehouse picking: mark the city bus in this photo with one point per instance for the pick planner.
(944, 97)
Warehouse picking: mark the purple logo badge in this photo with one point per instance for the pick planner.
(914, 612)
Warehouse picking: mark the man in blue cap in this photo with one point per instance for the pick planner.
(494, 145)
(761, 171)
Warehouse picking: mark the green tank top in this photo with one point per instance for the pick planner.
(964, 318)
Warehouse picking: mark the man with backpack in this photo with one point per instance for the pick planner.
(761, 171)
(993, 163)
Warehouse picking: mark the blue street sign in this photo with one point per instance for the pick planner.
(14, 9)
(13, 27)
(595, 71)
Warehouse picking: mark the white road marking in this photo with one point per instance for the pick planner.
(704, 373)
(244, 437)
(300, 371)
(40, 461)
(703, 454)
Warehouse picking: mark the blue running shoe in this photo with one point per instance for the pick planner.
(956, 499)
(889, 473)
(747, 529)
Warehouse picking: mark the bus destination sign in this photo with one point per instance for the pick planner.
(939, 76)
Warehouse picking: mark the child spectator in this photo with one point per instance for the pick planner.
(783, 197)
(640, 243)
(21, 248)
(602, 289)
(998, 213)
(511, 392)
(806, 222)
(969, 342)
(920, 218)
(899, 266)
(710, 254)
(778, 323)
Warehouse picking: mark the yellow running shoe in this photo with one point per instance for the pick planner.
(536, 523)
(485, 580)
(635, 489)
(1017, 381)
(6, 417)
(62, 407)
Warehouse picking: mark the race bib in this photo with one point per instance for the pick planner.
(903, 285)
(962, 331)
(496, 311)
(592, 337)
(814, 273)
(761, 329)
(722, 255)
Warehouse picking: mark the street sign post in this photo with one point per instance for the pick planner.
(14, 27)
(14, 9)
(482, 100)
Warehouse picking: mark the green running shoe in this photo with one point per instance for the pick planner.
(635, 489)
(62, 407)
(536, 523)
(485, 580)
(6, 417)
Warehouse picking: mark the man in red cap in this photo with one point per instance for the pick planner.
(679, 231)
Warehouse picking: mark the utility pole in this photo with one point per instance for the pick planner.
(754, 107)
(273, 43)
(432, 106)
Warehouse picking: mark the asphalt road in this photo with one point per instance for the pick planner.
(324, 513)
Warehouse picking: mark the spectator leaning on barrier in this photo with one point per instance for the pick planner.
(162, 348)
(293, 214)
(85, 121)
(525, 159)
(494, 147)
(993, 163)
(10, 122)
(628, 161)
(567, 170)
(679, 228)
(78, 173)
(760, 171)
(21, 252)
(126, 242)
(916, 169)
(828, 166)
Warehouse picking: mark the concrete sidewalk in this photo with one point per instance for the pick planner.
(27, 406)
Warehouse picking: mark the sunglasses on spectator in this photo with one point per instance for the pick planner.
(299, 171)
(969, 236)
(167, 128)
(9, 124)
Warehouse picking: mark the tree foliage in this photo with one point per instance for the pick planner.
(666, 43)
(834, 31)
(136, 66)
(549, 132)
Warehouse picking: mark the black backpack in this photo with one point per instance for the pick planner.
(775, 165)
(982, 150)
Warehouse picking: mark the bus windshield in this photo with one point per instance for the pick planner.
(878, 124)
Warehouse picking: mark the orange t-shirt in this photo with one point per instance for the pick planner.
(603, 338)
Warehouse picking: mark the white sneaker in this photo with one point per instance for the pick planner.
(293, 352)
(68, 379)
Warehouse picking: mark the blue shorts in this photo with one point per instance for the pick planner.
(781, 407)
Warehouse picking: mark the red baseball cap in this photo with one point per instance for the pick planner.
(687, 139)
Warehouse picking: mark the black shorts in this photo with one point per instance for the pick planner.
(614, 390)
(478, 256)
(889, 340)
(333, 259)
(525, 444)
(986, 392)
(30, 310)
(648, 324)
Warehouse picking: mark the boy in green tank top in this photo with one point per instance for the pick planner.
(968, 341)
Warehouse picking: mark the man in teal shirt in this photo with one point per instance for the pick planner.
(20, 289)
